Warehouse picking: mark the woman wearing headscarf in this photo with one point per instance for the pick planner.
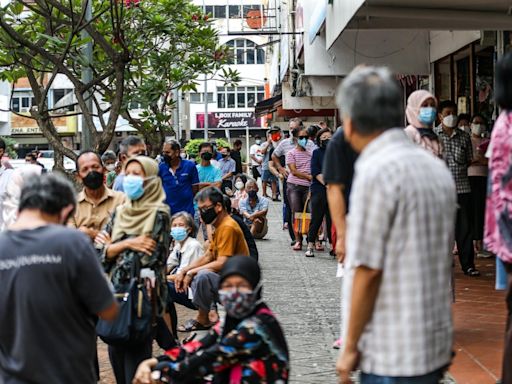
(421, 114)
(137, 232)
(247, 347)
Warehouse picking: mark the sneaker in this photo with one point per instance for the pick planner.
(472, 272)
(337, 344)
(483, 254)
(309, 252)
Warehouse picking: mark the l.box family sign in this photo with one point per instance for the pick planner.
(223, 120)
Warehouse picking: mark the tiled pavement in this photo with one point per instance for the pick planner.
(304, 294)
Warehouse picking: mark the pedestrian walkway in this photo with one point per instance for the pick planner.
(305, 295)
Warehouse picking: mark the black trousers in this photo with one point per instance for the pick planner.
(319, 210)
(506, 377)
(288, 218)
(125, 360)
(478, 197)
(464, 231)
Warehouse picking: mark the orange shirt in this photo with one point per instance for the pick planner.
(228, 240)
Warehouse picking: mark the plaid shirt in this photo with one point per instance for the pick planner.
(458, 154)
(401, 222)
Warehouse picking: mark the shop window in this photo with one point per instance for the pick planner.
(22, 101)
(198, 98)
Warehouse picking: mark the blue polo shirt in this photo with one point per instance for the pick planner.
(178, 187)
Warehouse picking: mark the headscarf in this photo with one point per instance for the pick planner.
(414, 104)
(137, 217)
(249, 269)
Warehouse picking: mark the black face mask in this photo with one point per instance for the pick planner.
(208, 216)
(93, 180)
(224, 155)
(324, 143)
(166, 158)
(207, 156)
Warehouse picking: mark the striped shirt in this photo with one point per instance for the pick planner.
(302, 161)
(402, 222)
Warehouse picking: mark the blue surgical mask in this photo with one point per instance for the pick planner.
(179, 233)
(303, 143)
(427, 115)
(133, 186)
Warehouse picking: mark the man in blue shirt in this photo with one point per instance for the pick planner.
(179, 179)
(254, 210)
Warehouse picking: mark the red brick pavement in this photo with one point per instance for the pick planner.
(479, 316)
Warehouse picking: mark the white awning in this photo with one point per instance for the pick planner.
(418, 14)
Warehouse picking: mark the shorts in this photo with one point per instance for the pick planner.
(268, 176)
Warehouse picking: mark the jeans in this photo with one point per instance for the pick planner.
(319, 210)
(478, 196)
(429, 378)
(288, 217)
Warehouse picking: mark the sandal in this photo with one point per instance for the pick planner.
(319, 247)
(297, 246)
(193, 325)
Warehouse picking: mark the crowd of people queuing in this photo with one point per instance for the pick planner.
(393, 205)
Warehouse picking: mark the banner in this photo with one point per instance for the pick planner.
(229, 120)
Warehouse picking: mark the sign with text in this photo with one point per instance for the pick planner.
(227, 120)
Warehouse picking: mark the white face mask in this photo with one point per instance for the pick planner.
(465, 128)
(110, 167)
(477, 129)
(450, 121)
(239, 185)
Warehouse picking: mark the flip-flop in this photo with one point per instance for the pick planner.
(193, 325)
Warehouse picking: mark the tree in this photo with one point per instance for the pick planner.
(141, 52)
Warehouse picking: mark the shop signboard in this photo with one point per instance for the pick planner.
(229, 120)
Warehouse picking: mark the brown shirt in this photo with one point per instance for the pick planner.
(96, 216)
(228, 240)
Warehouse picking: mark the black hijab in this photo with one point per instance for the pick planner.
(249, 269)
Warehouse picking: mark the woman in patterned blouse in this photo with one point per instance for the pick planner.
(247, 347)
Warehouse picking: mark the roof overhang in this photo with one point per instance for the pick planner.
(419, 14)
(267, 106)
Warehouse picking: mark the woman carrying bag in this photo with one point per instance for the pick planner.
(136, 241)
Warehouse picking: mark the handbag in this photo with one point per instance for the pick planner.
(302, 220)
(134, 322)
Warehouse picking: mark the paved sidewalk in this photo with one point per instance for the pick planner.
(305, 295)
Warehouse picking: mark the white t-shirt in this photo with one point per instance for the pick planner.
(256, 151)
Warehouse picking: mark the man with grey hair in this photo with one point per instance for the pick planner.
(254, 210)
(398, 325)
(131, 146)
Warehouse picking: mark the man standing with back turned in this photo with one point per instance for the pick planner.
(398, 325)
(51, 289)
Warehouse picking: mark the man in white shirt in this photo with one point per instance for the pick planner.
(397, 317)
(256, 154)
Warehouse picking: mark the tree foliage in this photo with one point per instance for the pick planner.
(142, 52)
(192, 147)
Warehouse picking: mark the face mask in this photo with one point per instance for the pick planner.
(427, 115)
(209, 215)
(238, 304)
(166, 158)
(276, 136)
(253, 195)
(323, 143)
(93, 180)
(206, 156)
(133, 186)
(465, 128)
(183, 156)
(111, 167)
(258, 142)
(477, 129)
(450, 121)
(224, 155)
(179, 233)
(239, 185)
(303, 143)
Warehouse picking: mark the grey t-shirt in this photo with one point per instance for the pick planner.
(51, 285)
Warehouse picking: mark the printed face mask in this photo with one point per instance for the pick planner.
(238, 304)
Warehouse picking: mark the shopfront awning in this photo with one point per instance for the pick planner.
(418, 14)
(269, 105)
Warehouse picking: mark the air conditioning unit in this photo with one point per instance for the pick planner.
(488, 38)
